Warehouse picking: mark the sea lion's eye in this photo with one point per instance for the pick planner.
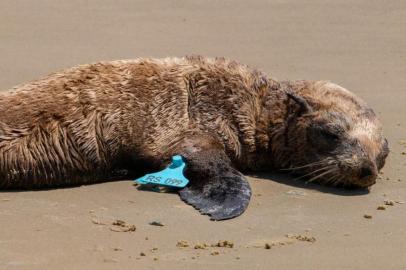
(329, 136)
(324, 138)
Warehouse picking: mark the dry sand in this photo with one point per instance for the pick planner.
(359, 44)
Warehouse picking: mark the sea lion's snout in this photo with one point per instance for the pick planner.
(362, 176)
(354, 158)
(367, 174)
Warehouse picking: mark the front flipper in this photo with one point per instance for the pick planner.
(222, 197)
(216, 188)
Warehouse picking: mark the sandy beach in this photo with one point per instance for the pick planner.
(358, 44)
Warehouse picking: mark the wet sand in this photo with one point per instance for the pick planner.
(358, 44)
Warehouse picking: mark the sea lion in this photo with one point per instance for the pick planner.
(119, 119)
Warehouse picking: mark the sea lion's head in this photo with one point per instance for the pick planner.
(332, 136)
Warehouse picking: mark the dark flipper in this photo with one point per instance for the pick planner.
(222, 198)
(216, 188)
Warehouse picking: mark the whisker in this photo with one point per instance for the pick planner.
(333, 179)
(305, 166)
(313, 172)
(338, 180)
(320, 175)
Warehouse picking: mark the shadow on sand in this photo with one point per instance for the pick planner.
(147, 188)
(285, 179)
(290, 180)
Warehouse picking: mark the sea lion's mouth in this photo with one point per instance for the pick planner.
(331, 173)
(325, 172)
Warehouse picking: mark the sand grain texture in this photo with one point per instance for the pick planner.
(358, 44)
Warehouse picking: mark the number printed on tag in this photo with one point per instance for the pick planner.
(173, 182)
(166, 181)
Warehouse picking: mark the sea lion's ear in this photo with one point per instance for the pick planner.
(216, 188)
(303, 104)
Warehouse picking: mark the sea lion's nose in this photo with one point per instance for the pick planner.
(366, 171)
(367, 174)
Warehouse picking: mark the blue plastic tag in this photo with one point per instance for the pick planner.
(172, 176)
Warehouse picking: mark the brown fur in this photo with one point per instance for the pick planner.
(91, 122)
(338, 111)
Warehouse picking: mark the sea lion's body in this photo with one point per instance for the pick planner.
(101, 121)
(88, 119)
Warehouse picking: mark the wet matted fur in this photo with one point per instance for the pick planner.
(115, 120)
